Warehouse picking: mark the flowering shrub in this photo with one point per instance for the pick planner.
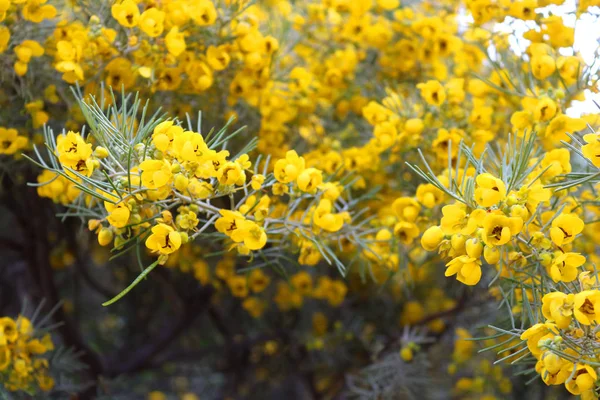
(328, 196)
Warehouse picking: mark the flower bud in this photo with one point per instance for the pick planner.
(181, 183)
(93, 224)
(458, 242)
(519, 211)
(406, 354)
(184, 237)
(474, 248)
(432, 238)
(100, 152)
(491, 254)
(105, 236)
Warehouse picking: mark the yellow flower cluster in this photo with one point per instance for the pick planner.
(373, 126)
(23, 366)
(569, 317)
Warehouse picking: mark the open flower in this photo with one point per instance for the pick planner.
(466, 269)
(75, 153)
(498, 229)
(490, 190)
(164, 239)
(558, 307)
(564, 228)
(564, 267)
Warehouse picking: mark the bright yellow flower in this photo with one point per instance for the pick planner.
(432, 92)
(163, 240)
(558, 307)
(10, 141)
(564, 267)
(587, 306)
(175, 41)
(591, 150)
(490, 190)
(324, 218)
(288, 169)
(155, 173)
(151, 22)
(466, 269)
(564, 228)
(126, 13)
(75, 153)
(498, 229)
(310, 180)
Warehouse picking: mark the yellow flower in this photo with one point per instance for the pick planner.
(582, 380)
(498, 229)
(203, 12)
(10, 141)
(175, 41)
(310, 180)
(466, 269)
(406, 232)
(155, 173)
(406, 208)
(75, 153)
(564, 267)
(118, 213)
(255, 306)
(238, 286)
(542, 66)
(217, 57)
(257, 181)
(429, 195)
(558, 162)
(288, 169)
(558, 307)
(432, 92)
(490, 190)
(545, 109)
(8, 331)
(535, 334)
(302, 283)
(569, 68)
(4, 38)
(432, 238)
(591, 150)
(163, 240)
(126, 13)
(325, 219)
(587, 307)
(151, 22)
(456, 220)
(564, 228)
(522, 120)
(5, 357)
(235, 225)
(231, 173)
(36, 11)
(253, 235)
(258, 280)
(560, 125)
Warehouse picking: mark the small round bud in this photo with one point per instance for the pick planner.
(474, 248)
(432, 238)
(105, 236)
(100, 152)
(184, 237)
(491, 255)
(93, 224)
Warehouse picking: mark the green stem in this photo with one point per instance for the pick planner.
(132, 285)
